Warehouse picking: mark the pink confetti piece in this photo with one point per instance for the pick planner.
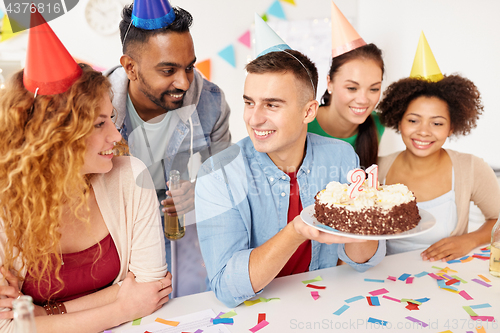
(434, 276)
(464, 294)
(482, 282)
(378, 292)
(483, 318)
(198, 331)
(315, 295)
(409, 280)
(392, 299)
(392, 278)
(259, 326)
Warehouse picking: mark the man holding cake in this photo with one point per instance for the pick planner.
(249, 197)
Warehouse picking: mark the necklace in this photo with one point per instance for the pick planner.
(61, 254)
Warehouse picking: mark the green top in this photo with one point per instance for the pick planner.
(315, 128)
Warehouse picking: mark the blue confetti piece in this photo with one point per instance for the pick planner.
(453, 261)
(223, 321)
(404, 277)
(421, 274)
(422, 300)
(482, 254)
(487, 251)
(374, 280)
(353, 299)
(463, 258)
(341, 310)
(375, 301)
(377, 321)
(480, 306)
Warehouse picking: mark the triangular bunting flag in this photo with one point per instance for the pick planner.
(276, 10)
(228, 55)
(1, 13)
(289, 1)
(245, 39)
(204, 68)
(6, 32)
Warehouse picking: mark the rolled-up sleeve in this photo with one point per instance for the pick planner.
(374, 260)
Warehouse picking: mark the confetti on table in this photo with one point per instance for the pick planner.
(434, 276)
(315, 287)
(392, 278)
(464, 294)
(461, 280)
(374, 280)
(315, 295)
(447, 277)
(341, 310)
(223, 321)
(487, 248)
(377, 321)
(448, 331)
(421, 274)
(453, 261)
(435, 267)
(469, 311)
(463, 258)
(480, 306)
(482, 282)
(198, 331)
(403, 277)
(412, 306)
(483, 318)
(229, 314)
(353, 299)
(265, 300)
(392, 299)
(167, 322)
(136, 322)
(107, 332)
(250, 303)
(481, 257)
(409, 280)
(316, 279)
(423, 300)
(373, 301)
(260, 325)
(480, 329)
(421, 323)
(262, 316)
(408, 300)
(378, 292)
(452, 281)
(468, 259)
(484, 278)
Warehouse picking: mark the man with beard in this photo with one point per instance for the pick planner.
(165, 109)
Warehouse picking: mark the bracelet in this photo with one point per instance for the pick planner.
(53, 308)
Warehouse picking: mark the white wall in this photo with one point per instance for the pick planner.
(463, 35)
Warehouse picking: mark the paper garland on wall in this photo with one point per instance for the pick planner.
(204, 68)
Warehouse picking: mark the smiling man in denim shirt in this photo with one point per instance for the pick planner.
(249, 197)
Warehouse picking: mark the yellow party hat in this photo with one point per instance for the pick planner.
(344, 37)
(425, 65)
(6, 32)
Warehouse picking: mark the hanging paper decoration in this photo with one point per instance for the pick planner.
(6, 32)
(289, 1)
(1, 14)
(228, 55)
(245, 39)
(276, 10)
(204, 68)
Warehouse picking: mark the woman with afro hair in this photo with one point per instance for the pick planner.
(443, 181)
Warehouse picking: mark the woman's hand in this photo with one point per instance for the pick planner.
(8, 293)
(450, 248)
(137, 300)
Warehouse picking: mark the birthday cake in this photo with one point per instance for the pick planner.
(365, 209)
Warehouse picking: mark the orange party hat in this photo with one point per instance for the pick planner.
(425, 65)
(49, 66)
(344, 36)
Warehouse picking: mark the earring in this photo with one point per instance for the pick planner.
(329, 92)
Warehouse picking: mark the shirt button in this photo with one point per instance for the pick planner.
(283, 194)
(271, 179)
(283, 177)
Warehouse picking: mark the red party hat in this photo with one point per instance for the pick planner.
(49, 66)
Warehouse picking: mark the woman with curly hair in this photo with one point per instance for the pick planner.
(79, 226)
(444, 181)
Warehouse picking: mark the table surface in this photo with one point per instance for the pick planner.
(298, 311)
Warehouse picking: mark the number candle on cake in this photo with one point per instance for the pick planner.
(373, 176)
(356, 177)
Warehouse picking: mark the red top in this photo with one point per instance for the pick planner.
(300, 260)
(82, 274)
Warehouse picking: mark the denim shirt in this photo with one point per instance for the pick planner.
(202, 123)
(242, 201)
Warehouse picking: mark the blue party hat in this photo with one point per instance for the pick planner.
(152, 14)
(266, 40)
